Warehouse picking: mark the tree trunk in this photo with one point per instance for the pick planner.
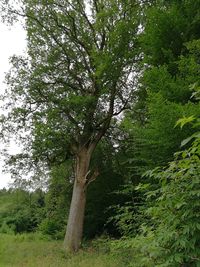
(74, 230)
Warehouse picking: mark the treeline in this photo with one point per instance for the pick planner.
(46, 211)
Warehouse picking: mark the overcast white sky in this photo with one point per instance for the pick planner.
(12, 41)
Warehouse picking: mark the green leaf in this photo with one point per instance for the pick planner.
(178, 258)
(186, 141)
(184, 121)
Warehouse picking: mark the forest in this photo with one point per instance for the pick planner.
(106, 107)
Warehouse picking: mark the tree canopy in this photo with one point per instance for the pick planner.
(77, 73)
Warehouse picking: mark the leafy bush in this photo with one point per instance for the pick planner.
(171, 238)
(20, 210)
(128, 215)
(7, 229)
(52, 227)
(176, 211)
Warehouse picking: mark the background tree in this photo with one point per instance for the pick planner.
(20, 210)
(78, 74)
(170, 70)
(57, 201)
(101, 194)
(170, 66)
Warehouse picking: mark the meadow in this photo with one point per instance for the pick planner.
(31, 250)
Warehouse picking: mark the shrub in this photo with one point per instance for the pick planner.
(53, 228)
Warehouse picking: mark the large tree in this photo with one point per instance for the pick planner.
(78, 74)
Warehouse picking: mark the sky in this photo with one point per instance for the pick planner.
(13, 42)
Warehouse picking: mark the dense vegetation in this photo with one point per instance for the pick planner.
(144, 205)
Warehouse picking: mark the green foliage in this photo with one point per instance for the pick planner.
(74, 78)
(170, 237)
(153, 143)
(21, 211)
(184, 121)
(7, 229)
(128, 214)
(100, 194)
(57, 201)
(169, 228)
(144, 147)
(52, 227)
(176, 22)
(167, 98)
(176, 209)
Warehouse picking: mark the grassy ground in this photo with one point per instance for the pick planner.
(32, 251)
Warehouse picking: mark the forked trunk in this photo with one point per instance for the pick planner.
(77, 209)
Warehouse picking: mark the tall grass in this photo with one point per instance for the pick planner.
(31, 250)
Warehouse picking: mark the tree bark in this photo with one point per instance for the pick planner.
(74, 230)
